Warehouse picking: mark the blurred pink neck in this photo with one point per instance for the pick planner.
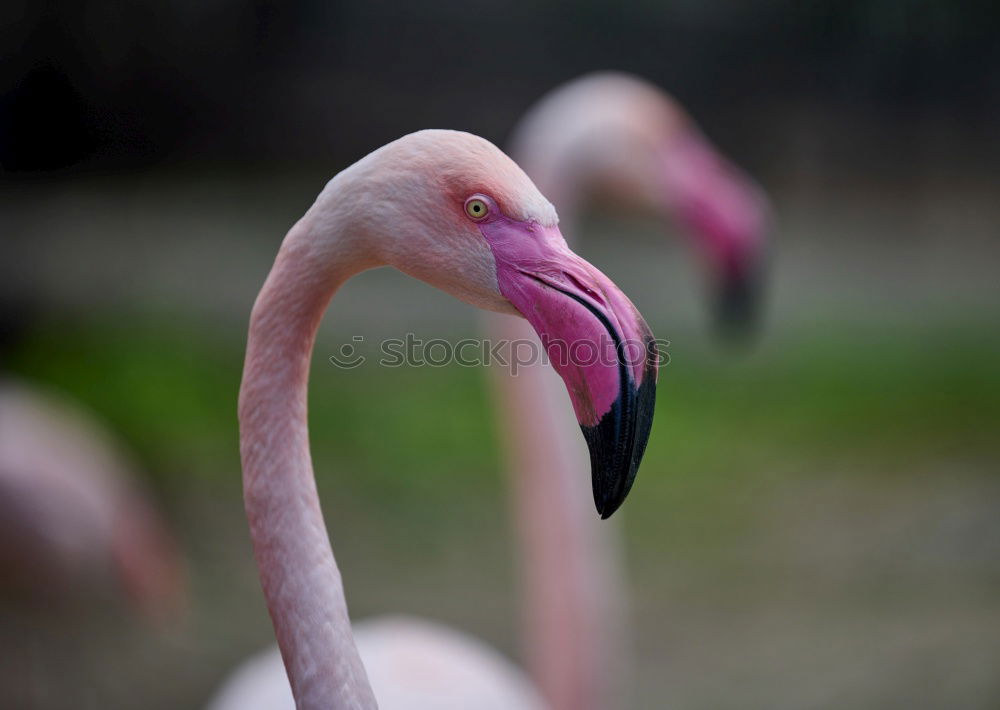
(572, 617)
(299, 575)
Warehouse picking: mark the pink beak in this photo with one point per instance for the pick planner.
(727, 215)
(595, 339)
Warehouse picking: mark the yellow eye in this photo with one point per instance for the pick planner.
(476, 208)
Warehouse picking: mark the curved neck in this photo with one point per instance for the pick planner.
(301, 582)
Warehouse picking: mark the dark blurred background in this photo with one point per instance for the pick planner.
(129, 85)
(818, 521)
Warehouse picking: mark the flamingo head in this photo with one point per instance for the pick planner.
(621, 140)
(454, 211)
(648, 164)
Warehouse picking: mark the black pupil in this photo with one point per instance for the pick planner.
(476, 208)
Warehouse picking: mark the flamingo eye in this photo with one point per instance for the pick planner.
(476, 208)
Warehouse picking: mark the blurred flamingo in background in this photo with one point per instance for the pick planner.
(615, 138)
(452, 210)
(73, 519)
(609, 137)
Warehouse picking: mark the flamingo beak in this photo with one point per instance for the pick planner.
(727, 214)
(594, 338)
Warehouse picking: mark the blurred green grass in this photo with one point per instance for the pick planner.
(827, 498)
(856, 398)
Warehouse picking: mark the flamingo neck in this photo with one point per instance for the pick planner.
(300, 579)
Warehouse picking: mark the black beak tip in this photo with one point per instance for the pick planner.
(617, 444)
(737, 306)
(607, 510)
(604, 502)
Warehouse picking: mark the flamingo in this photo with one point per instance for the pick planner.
(617, 137)
(73, 521)
(450, 209)
(614, 137)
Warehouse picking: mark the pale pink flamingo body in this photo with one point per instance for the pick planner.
(73, 519)
(411, 664)
(614, 138)
(452, 210)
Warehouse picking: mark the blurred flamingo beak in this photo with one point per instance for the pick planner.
(726, 214)
(738, 299)
(594, 338)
